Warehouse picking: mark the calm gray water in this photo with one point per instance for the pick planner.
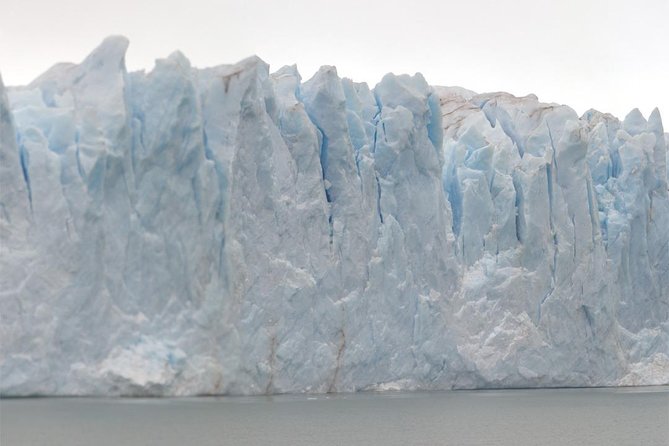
(635, 417)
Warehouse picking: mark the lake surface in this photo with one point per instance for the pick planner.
(630, 416)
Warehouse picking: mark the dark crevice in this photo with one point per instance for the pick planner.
(464, 246)
(519, 210)
(376, 131)
(323, 154)
(205, 141)
(378, 198)
(25, 162)
(331, 228)
(549, 187)
(588, 318)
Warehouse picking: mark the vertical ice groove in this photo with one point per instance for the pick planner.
(519, 211)
(451, 186)
(378, 198)
(553, 233)
(25, 169)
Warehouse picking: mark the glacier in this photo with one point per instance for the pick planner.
(234, 231)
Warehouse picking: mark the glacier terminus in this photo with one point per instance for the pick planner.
(234, 231)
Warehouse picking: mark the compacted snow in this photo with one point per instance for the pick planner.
(227, 230)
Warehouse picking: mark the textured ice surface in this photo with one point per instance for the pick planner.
(227, 230)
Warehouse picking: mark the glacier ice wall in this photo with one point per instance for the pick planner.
(227, 230)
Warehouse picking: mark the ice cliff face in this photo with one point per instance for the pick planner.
(228, 230)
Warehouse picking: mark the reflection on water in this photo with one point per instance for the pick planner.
(629, 416)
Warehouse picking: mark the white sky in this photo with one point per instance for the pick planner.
(611, 55)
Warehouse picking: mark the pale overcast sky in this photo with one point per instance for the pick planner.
(611, 55)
